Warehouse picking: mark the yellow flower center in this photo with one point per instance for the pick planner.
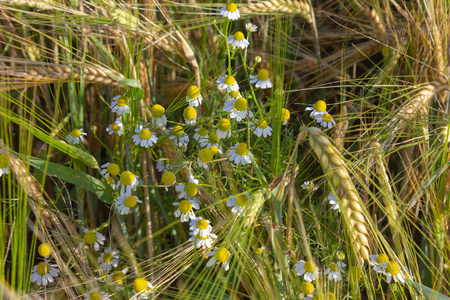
(229, 80)
(240, 104)
(205, 155)
(191, 189)
(122, 101)
(145, 134)
(382, 258)
(202, 132)
(259, 251)
(108, 180)
(108, 257)
(320, 106)
(231, 7)
(238, 36)
(241, 149)
(75, 133)
(115, 127)
(327, 117)
(177, 130)
(202, 224)
(213, 136)
(4, 161)
(90, 238)
(214, 150)
(285, 115)
(190, 113)
(307, 288)
(234, 94)
(222, 255)
(199, 237)
(263, 75)
(193, 92)
(95, 296)
(262, 124)
(241, 200)
(334, 267)
(45, 249)
(224, 125)
(354, 274)
(130, 201)
(310, 267)
(185, 206)
(140, 285)
(340, 255)
(392, 268)
(113, 169)
(42, 268)
(126, 178)
(168, 178)
(157, 111)
(118, 277)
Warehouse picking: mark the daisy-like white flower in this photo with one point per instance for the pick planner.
(215, 150)
(189, 190)
(240, 110)
(230, 11)
(4, 163)
(109, 181)
(96, 294)
(109, 169)
(168, 178)
(126, 202)
(163, 165)
(260, 127)
(307, 290)
(190, 115)
(92, 238)
(213, 140)
(257, 59)
(177, 136)
(238, 203)
(185, 211)
(379, 262)
(193, 97)
(393, 271)
(43, 273)
(144, 137)
(45, 249)
(128, 181)
(228, 83)
(334, 204)
(158, 115)
(340, 255)
(319, 108)
(308, 269)
(240, 154)
(335, 270)
(251, 27)
(201, 135)
(326, 120)
(116, 127)
(108, 259)
(238, 40)
(229, 99)
(142, 288)
(285, 115)
(220, 255)
(76, 136)
(120, 105)
(260, 250)
(200, 226)
(202, 242)
(204, 157)
(261, 80)
(223, 128)
(309, 186)
(118, 276)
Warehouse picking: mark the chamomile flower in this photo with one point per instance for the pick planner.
(307, 290)
(120, 105)
(334, 204)
(308, 269)
(96, 294)
(223, 129)
(144, 137)
(185, 211)
(215, 150)
(260, 127)
(230, 11)
(190, 115)
(76, 136)
(109, 169)
(228, 83)
(202, 242)
(334, 271)
(309, 186)
(142, 288)
(126, 202)
(257, 59)
(163, 165)
(116, 127)
(158, 115)
(220, 256)
(128, 181)
(193, 97)
(189, 190)
(238, 40)
(238, 203)
(251, 27)
(200, 226)
(240, 154)
(393, 271)
(240, 110)
(319, 108)
(108, 259)
(92, 238)
(229, 99)
(45, 249)
(168, 178)
(285, 115)
(177, 136)
(204, 157)
(43, 273)
(260, 250)
(213, 140)
(379, 262)
(201, 135)
(326, 120)
(261, 80)
(4, 163)
(118, 276)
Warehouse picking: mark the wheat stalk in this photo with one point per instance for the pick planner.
(375, 20)
(273, 6)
